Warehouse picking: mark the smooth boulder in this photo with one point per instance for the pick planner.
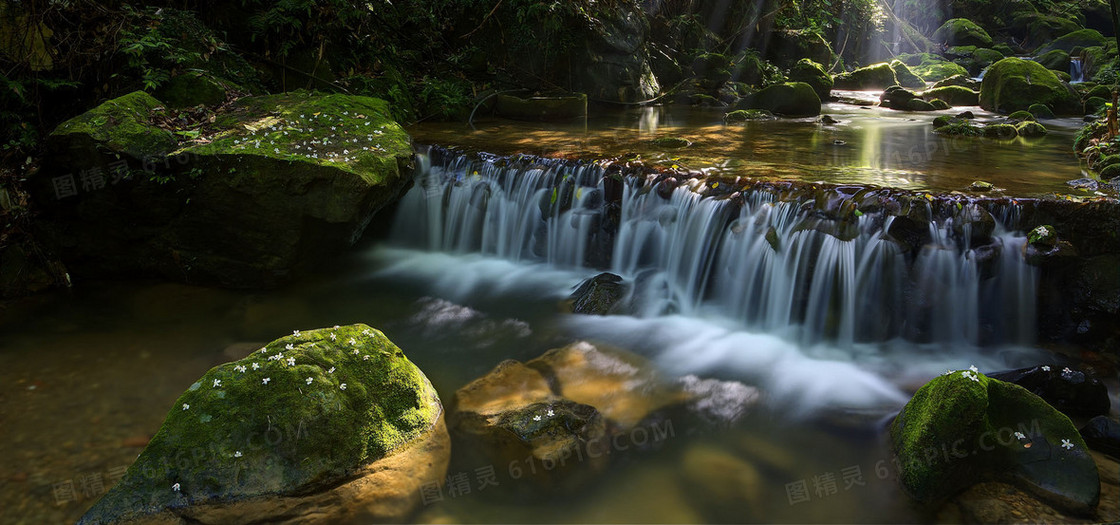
(321, 426)
(1013, 84)
(790, 99)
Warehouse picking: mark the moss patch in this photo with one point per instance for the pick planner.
(303, 411)
(1013, 84)
(955, 95)
(962, 32)
(876, 76)
(124, 125)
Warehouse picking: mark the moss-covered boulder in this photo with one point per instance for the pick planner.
(1034, 29)
(541, 108)
(897, 97)
(1030, 129)
(599, 295)
(1058, 60)
(906, 78)
(1094, 105)
(958, 80)
(1000, 131)
(1013, 84)
(273, 187)
(962, 32)
(955, 95)
(956, 127)
(1081, 38)
(962, 428)
(932, 67)
(321, 426)
(747, 115)
(873, 77)
(814, 74)
(1040, 111)
(790, 99)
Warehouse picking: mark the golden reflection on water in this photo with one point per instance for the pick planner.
(868, 146)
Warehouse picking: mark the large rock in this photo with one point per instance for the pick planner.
(599, 295)
(873, 77)
(791, 99)
(1034, 29)
(1103, 434)
(962, 428)
(1082, 38)
(962, 32)
(1013, 84)
(906, 77)
(814, 74)
(322, 426)
(283, 183)
(1057, 60)
(931, 67)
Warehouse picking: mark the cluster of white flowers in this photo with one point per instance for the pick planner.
(970, 375)
(240, 368)
(314, 148)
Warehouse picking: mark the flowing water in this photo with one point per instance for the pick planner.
(832, 321)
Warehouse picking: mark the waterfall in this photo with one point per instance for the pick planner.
(811, 268)
(1076, 73)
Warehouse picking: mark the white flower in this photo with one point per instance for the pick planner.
(175, 487)
(550, 413)
(352, 341)
(237, 454)
(291, 361)
(1045, 368)
(334, 337)
(367, 332)
(240, 368)
(342, 386)
(949, 372)
(1067, 444)
(1066, 370)
(356, 352)
(266, 380)
(309, 380)
(974, 378)
(536, 418)
(289, 346)
(336, 327)
(217, 383)
(973, 368)
(256, 366)
(1019, 435)
(331, 371)
(186, 406)
(365, 358)
(295, 333)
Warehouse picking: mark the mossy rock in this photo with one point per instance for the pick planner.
(1057, 59)
(1036, 29)
(981, 186)
(1021, 115)
(918, 104)
(962, 428)
(791, 99)
(905, 77)
(1094, 105)
(1013, 84)
(1030, 128)
(814, 74)
(959, 128)
(192, 88)
(1109, 172)
(958, 80)
(962, 32)
(1081, 38)
(1106, 160)
(123, 125)
(931, 67)
(1064, 76)
(1000, 131)
(985, 57)
(1003, 49)
(1101, 91)
(747, 115)
(303, 414)
(939, 104)
(959, 51)
(1040, 111)
(955, 95)
(873, 77)
(599, 295)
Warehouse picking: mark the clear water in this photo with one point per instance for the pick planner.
(89, 374)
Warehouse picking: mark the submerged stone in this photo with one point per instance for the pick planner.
(287, 434)
(746, 115)
(962, 428)
(1103, 434)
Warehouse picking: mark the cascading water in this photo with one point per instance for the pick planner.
(789, 267)
(1076, 72)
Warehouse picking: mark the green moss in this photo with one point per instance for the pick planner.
(1021, 115)
(962, 32)
(1000, 131)
(1080, 38)
(352, 133)
(918, 104)
(1057, 60)
(934, 68)
(955, 95)
(1030, 129)
(960, 128)
(985, 57)
(906, 77)
(1100, 91)
(1003, 49)
(939, 104)
(744, 115)
(1013, 84)
(278, 421)
(1095, 104)
(1109, 172)
(875, 76)
(1040, 111)
(124, 125)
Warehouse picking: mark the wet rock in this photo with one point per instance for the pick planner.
(897, 97)
(1030, 129)
(964, 81)
(599, 295)
(955, 95)
(981, 185)
(1083, 184)
(974, 223)
(1000, 131)
(828, 120)
(1071, 391)
(1040, 111)
(1083, 38)
(1044, 247)
(542, 108)
(277, 437)
(962, 428)
(747, 115)
(1103, 434)
(1056, 59)
(723, 487)
(906, 78)
(933, 68)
